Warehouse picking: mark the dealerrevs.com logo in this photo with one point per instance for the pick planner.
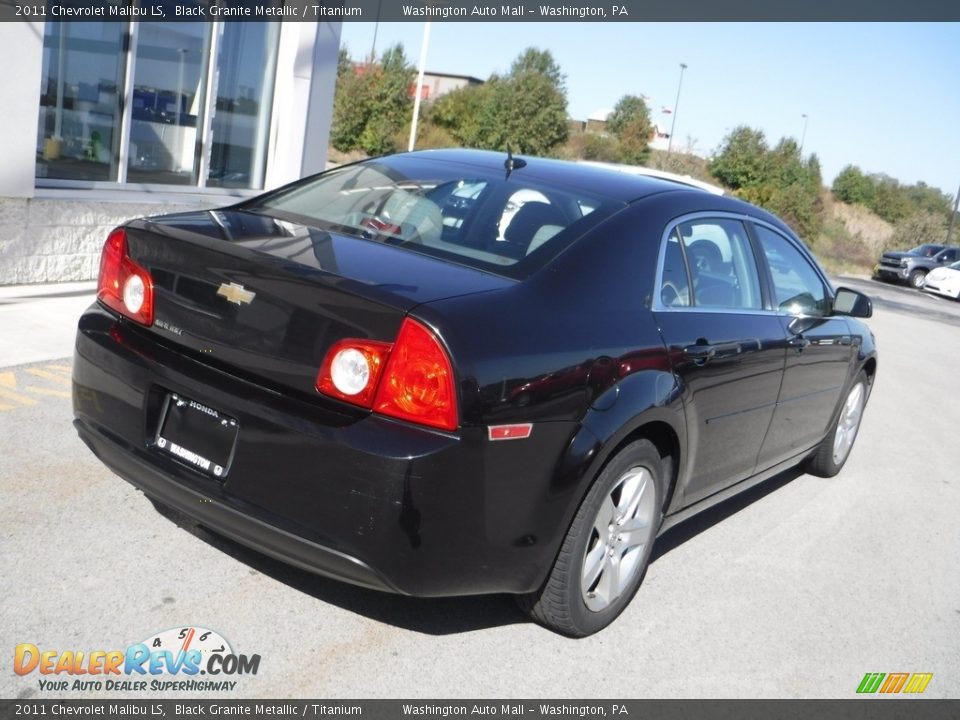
(169, 661)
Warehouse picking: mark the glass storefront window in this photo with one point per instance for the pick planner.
(168, 102)
(241, 120)
(163, 136)
(79, 126)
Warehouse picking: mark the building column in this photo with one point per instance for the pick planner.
(303, 101)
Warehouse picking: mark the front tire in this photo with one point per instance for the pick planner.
(607, 548)
(834, 449)
(918, 278)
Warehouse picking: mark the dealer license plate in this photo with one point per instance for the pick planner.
(197, 435)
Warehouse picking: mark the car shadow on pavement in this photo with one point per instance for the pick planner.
(691, 527)
(447, 616)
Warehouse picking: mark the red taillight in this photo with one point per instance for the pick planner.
(123, 285)
(417, 383)
(352, 369)
(412, 379)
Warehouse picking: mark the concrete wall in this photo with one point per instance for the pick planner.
(53, 240)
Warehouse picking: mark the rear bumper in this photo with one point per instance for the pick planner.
(359, 498)
(134, 466)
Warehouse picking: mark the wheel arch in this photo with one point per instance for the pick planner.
(603, 433)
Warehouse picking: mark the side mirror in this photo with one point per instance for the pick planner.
(852, 303)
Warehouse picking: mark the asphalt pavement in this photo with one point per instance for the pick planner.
(795, 589)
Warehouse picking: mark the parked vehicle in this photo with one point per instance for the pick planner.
(912, 266)
(944, 281)
(518, 400)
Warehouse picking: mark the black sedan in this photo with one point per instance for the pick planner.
(456, 372)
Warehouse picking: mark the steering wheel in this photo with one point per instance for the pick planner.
(671, 296)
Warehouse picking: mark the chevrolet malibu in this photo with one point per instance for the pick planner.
(459, 372)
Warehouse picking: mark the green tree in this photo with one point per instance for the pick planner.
(741, 161)
(630, 123)
(372, 102)
(458, 113)
(626, 111)
(539, 62)
(776, 179)
(889, 200)
(524, 111)
(929, 199)
(349, 104)
(853, 187)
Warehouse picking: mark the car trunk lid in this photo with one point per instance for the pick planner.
(267, 298)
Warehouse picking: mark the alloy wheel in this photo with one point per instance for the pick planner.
(848, 423)
(621, 531)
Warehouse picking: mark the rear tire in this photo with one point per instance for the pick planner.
(605, 553)
(834, 449)
(918, 278)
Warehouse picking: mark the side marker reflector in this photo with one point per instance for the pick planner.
(510, 432)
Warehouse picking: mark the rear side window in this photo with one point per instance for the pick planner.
(709, 263)
(510, 225)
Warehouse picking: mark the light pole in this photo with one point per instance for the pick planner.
(803, 136)
(953, 217)
(376, 27)
(416, 99)
(676, 109)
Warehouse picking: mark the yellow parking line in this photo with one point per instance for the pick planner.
(48, 391)
(7, 384)
(16, 397)
(48, 376)
(4, 408)
(60, 368)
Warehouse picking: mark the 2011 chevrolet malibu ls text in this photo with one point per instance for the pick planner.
(460, 372)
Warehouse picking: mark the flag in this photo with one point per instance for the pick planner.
(665, 110)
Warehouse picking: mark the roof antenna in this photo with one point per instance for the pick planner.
(512, 163)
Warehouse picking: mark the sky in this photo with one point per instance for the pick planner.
(882, 96)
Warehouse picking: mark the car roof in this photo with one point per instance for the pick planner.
(613, 183)
(662, 174)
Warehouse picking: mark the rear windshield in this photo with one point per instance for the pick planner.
(462, 213)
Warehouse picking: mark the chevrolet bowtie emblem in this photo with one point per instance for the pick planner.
(236, 294)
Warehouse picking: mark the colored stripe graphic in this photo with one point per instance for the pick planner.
(870, 682)
(894, 682)
(918, 683)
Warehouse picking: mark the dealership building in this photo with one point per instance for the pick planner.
(103, 122)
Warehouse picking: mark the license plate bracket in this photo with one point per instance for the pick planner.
(197, 435)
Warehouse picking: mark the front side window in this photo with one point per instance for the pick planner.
(797, 287)
(709, 263)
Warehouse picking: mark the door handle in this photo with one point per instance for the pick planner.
(799, 342)
(700, 353)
